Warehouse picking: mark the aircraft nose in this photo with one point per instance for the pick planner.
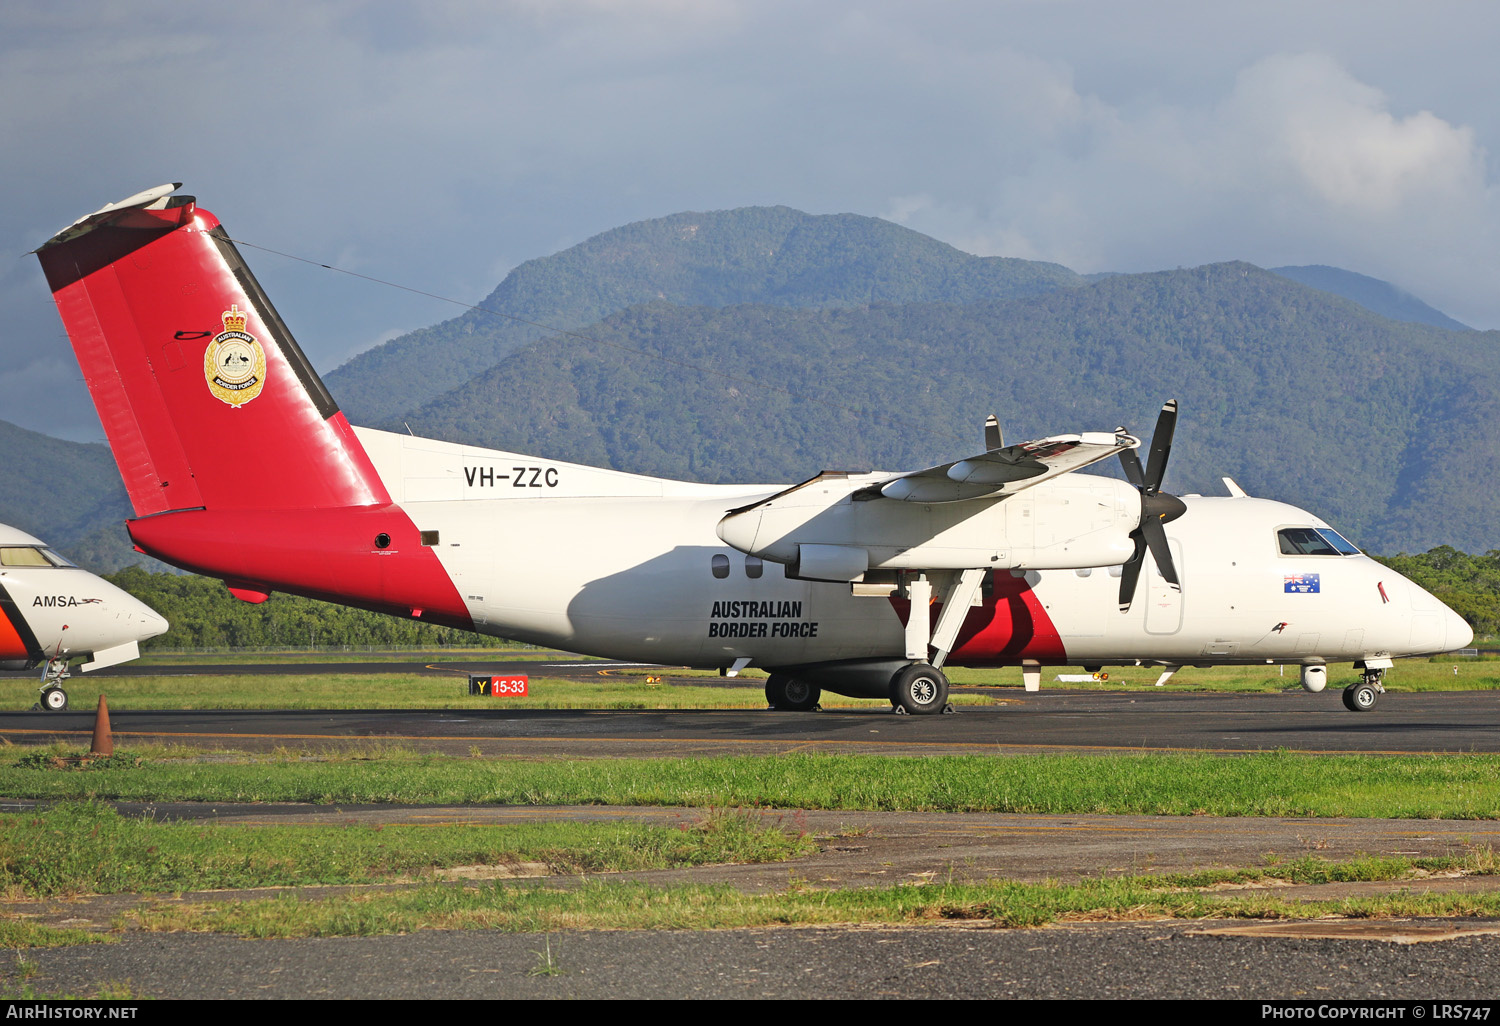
(149, 621)
(1459, 633)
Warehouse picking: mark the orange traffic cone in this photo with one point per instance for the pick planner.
(104, 742)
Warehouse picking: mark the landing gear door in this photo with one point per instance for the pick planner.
(1163, 601)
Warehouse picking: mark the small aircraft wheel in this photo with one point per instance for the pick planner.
(919, 689)
(55, 700)
(787, 692)
(1360, 697)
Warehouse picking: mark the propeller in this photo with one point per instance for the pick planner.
(1157, 507)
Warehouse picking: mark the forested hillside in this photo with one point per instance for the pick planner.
(1371, 293)
(1389, 430)
(68, 494)
(775, 256)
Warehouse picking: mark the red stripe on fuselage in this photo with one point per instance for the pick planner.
(329, 554)
(1010, 626)
(11, 645)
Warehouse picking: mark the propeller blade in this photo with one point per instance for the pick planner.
(1157, 507)
(993, 439)
(1131, 572)
(1161, 445)
(1132, 464)
(1156, 539)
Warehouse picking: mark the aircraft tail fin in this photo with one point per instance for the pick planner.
(206, 398)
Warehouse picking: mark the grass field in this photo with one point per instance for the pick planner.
(1266, 784)
(608, 905)
(89, 848)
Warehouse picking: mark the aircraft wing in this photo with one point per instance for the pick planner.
(1002, 471)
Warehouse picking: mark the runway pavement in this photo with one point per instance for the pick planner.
(1073, 721)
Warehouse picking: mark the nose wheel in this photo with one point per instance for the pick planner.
(54, 698)
(1362, 697)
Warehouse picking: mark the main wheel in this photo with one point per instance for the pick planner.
(787, 692)
(54, 700)
(1360, 697)
(919, 689)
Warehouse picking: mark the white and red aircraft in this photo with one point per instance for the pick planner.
(240, 465)
(52, 612)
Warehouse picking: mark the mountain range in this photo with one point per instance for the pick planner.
(766, 344)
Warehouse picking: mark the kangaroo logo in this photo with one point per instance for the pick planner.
(234, 363)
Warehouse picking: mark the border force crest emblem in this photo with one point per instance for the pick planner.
(234, 364)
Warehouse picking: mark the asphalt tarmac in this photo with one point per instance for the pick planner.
(1436, 722)
(1171, 960)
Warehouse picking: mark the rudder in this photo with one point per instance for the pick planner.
(206, 398)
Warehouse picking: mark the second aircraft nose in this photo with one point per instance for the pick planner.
(1459, 633)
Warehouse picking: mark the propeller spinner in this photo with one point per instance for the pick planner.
(1157, 507)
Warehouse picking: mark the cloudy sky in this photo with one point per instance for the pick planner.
(439, 144)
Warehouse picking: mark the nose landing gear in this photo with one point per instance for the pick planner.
(1362, 697)
(54, 698)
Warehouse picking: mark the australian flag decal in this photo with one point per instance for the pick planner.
(1301, 584)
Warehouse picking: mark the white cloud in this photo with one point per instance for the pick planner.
(1299, 162)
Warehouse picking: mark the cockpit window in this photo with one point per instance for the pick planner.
(1338, 541)
(31, 555)
(1313, 541)
(19, 556)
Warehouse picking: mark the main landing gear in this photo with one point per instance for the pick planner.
(1362, 697)
(920, 689)
(787, 692)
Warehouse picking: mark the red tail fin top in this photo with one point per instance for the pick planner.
(206, 398)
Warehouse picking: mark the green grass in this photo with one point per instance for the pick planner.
(612, 905)
(90, 848)
(17, 934)
(1265, 784)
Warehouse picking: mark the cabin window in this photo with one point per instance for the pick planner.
(720, 565)
(24, 557)
(429, 538)
(1313, 541)
(754, 567)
